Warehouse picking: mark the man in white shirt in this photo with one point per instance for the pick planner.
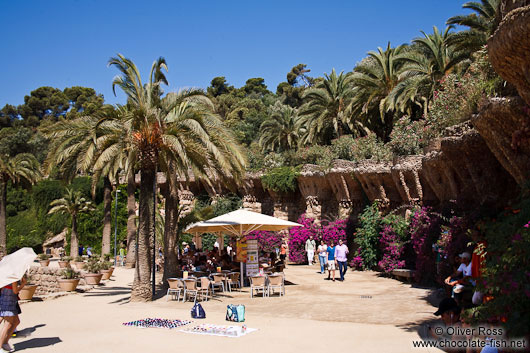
(310, 246)
(463, 270)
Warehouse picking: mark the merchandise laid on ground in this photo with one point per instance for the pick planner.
(219, 330)
(157, 323)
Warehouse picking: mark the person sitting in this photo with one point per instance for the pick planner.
(465, 282)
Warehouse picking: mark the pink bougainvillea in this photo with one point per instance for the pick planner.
(267, 241)
(424, 231)
(392, 250)
(327, 231)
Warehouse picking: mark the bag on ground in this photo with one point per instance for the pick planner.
(197, 312)
(235, 313)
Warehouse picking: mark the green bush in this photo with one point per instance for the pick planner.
(367, 236)
(282, 179)
(409, 137)
(370, 147)
(320, 155)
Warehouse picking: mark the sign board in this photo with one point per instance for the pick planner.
(241, 250)
(252, 258)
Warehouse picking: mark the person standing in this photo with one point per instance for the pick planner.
(122, 254)
(9, 311)
(340, 256)
(331, 260)
(283, 251)
(322, 255)
(310, 246)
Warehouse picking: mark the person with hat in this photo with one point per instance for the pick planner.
(463, 271)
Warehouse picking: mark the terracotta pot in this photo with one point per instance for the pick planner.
(68, 285)
(27, 292)
(80, 265)
(44, 263)
(107, 273)
(93, 278)
(63, 264)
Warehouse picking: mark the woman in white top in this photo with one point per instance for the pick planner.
(322, 255)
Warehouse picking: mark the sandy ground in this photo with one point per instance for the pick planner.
(365, 313)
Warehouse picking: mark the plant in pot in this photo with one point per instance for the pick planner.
(69, 281)
(64, 262)
(27, 292)
(79, 263)
(93, 277)
(106, 269)
(44, 259)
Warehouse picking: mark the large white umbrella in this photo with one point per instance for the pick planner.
(14, 266)
(240, 223)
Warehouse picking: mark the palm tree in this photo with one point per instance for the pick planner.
(21, 169)
(73, 204)
(74, 149)
(429, 60)
(324, 115)
(481, 25)
(279, 132)
(178, 134)
(374, 78)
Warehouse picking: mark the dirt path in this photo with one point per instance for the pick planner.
(363, 314)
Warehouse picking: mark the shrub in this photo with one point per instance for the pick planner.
(298, 237)
(93, 265)
(393, 237)
(343, 147)
(424, 231)
(43, 257)
(367, 236)
(282, 179)
(69, 273)
(409, 137)
(267, 241)
(370, 147)
(320, 155)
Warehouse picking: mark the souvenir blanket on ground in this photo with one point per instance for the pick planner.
(219, 330)
(157, 323)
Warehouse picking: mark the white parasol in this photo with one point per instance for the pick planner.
(239, 223)
(14, 266)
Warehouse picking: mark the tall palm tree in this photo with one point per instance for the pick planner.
(429, 60)
(481, 25)
(374, 78)
(177, 134)
(73, 204)
(21, 169)
(324, 114)
(279, 132)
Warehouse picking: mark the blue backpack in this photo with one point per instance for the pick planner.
(197, 312)
(235, 313)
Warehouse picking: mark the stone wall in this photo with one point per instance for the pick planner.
(46, 279)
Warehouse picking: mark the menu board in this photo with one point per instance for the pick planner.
(241, 250)
(252, 257)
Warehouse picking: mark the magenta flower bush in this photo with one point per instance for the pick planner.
(267, 241)
(326, 231)
(424, 231)
(392, 250)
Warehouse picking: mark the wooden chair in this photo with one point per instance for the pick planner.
(190, 288)
(204, 289)
(276, 281)
(258, 283)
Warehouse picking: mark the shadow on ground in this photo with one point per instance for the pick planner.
(37, 343)
(28, 330)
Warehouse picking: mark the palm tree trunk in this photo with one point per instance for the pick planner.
(3, 225)
(107, 216)
(74, 242)
(131, 219)
(141, 289)
(171, 227)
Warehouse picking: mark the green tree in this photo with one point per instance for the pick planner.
(21, 169)
(374, 78)
(279, 132)
(255, 87)
(324, 116)
(219, 86)
(43, 103)
(172, 135)
(72, 203)
(481, 25)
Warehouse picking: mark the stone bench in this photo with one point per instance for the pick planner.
(404, 273)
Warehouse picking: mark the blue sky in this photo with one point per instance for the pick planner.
(68, 43)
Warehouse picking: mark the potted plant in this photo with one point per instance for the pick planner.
(93, 277)
(79, 263)
(44, 259)
(27, 292)
(106, 269)
(69, 281)
(64, 262)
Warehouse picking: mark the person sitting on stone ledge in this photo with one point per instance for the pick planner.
(465, 283)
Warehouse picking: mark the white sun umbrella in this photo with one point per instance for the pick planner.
(14, 266)
(240, 223)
